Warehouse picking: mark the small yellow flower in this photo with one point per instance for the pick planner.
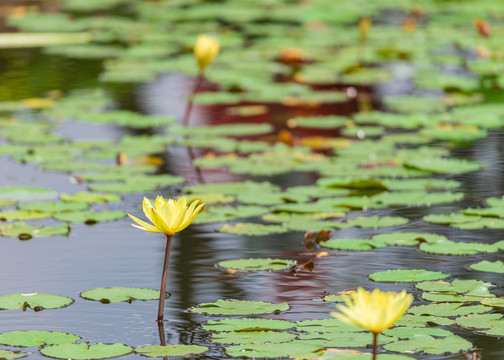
(169, 216)
(374, 311)
(205, 50)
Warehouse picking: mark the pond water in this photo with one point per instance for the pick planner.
(115, 254)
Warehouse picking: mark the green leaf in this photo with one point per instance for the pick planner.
(257, 264)
(233, 188)
(252, 337)
(251, 229)
(406, 275)
(448, 309)
(171, 350)
(280, 350)
(90, 216)
(416, 198)
(26, 193)
(448, 247)
(119, 294)
(430, 345)
(376, 221)
(53, 206)
(90, 198)
(402, 332)
(23, 215)
(36, 338)
(352, 244)
(245, 324)
(488, 266)
(352, 183)
(225, 130)
(444, 166)
(236, 307)
(228, 213)
(10, 355)
(84, 351)
(407, 238)
(33, 301)
(478, 321)
(24, 231)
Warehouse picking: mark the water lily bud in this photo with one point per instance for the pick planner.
(205, 50)
(364, 26)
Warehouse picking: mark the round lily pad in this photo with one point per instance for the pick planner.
(171, 350)
(409, 275)
(90, 216)
(84, 351)
(489, 266)
(90, 198)
(430, 345)
(288, 350)
(36, 338)
(252, 337)
(10, 355)
(52, 206)
(24, 231)
(245, 324)
(238, 307)
(33, 301)
(352, 244)
(251, 229)
(119, 294)
(27, 193)
(257, 264)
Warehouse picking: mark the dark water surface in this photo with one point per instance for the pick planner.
(116, 254)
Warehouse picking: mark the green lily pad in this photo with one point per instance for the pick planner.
(414, 104)
(36, 338)
(416, 198)
(403, 332)
(478, 321)
(251, 229)
(352, 183)
(488, 266)
(407, 238)
(448, 309)
(90, 216)
(252, 337)
(53, 206)
(376, 221)
(467, 287)
(225, 130)
(448, 247)
(23, 215)
(352, 244)
(430, 345)
(11, 355)
(119, 294)
(27, 193)
(445, 166)
(228, 213)
(7, 202)
(406, 275)
(237, 307)
(288, 350)
(90, 198)
(362, 132)
(24, 231)
(233, 188)
(495, 302)
(245, 324)
(318, 122)
(84, 351)
(33, 301)
(171, 350)
(257, 264)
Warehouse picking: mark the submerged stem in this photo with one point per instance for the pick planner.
(162, 291)
(375, 345)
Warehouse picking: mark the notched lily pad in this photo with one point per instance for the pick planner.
(24, 231)
(238, 307)
(84, 351)
(171, 350)
(119, 294)
(33, 301)
(430, 345)
(27, 193)
(291, 349)
(256, 264)
(52, 206)
(252, 337)
(32, 338)
(489, 266)
(90, 216)
(90, 198)
(251, 229)
(11, 355)
(245, 324)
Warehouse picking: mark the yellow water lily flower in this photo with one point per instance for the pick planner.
(374, 311)
(205, 50)
(168, 217)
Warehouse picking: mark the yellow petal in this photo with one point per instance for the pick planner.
(160, 223)
(143, 225)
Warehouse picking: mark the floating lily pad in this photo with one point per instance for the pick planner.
(171, 350)
(225, 130)
(90, 216)
(445, 166)
(252, 337)
(52, 206)
(257, 264)
(228, 213)
(430, 345)
(36, 338)
(24, 231)
(236, 307)
(352, 183)
(416, 198)
(402, 332)
(7, 202)
(247, 325)
(289, 350)
(23, 215)
(33, 301)
(352, 244)
(406, 275)
(407, 238)
(448, 247)
(119, 294)
(455, 291)
(448, 309)
(27, 193)
(376, 221)
(90, 198)
(85, 351)
(489, 266)
(478, 321)
(251, 229)
(11, 355)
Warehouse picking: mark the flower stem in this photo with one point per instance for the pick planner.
(162, 291)
(185, 122)
(375, 345)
